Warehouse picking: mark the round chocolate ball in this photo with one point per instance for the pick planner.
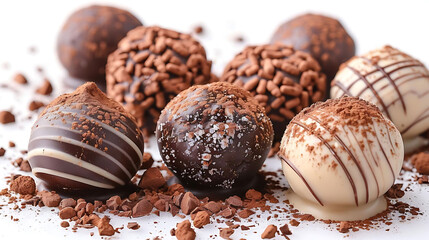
(83, 142)
(88, 37)
(282, 80)
(214, 136)
(150, 67)
(321, 36)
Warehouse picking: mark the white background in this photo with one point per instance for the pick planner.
(24, 24)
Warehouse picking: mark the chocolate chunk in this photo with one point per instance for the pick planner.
(20, 78)
(25, 166)
(34, 105)
(104, 228)
(294, 222)
(50, 199)
(253, 194)
(245, 213)
(395, 191)
(225, 233)
(142, 208)
(285, 230)
(133, 225)
(234, 201)
(269, 232)
(189, 203)
(45, 89)
(67, 213)
(147, 161)
(23, 185)
(114, 202)
(201, 218)
(11, 144)
(2, 152)
(213, 207)
(227, 212)
(65, 224)
(421, 162)
(6, 117)
(198, 29)
(184, 231)
(344, 227)
(152, 179)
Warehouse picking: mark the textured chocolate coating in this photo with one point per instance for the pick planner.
(321, 36)
(214, 136)
(84, 141)
(150, 67)
(87, 38)
(283, 81)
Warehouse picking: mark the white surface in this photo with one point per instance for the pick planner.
(36, 23)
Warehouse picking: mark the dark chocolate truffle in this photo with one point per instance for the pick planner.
(150, 67)
(323, 37)
(214, 136)
(88, 36)
(283, 80)
(85, 141)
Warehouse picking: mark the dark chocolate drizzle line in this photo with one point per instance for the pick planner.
(391, 81)
(420, 118)
(309, 115)
(352, 183)
(384, 153)
(369, 164)
(293, 167)
(374, 92)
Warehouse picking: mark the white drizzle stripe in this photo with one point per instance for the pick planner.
(72, 177)
(74, 160)
(114, 131)
(77, 132)
(86, 146)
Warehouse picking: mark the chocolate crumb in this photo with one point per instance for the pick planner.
(133, 225)
(67, 213)
(198, 29)
(201, 218)
(225, 233)
(344, 227)
(2, 152)
(285, 230)
(34, 105)
(147, 161)
(11, 144)
(65, 224)
(152, 179)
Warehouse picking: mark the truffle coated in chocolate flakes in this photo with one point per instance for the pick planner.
(150, 67)
(283, 81)
(214, 135)
(6, 117)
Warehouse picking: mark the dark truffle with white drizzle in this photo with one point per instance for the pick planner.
(84, 141)
(214, 136)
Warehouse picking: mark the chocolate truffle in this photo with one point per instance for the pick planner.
(394, 81)
(84, 141)
(214, 136)
(283, 80)
(340, 157)
(88, 36)
(150, 67)
(321, 36)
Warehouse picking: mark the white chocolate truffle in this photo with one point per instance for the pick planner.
(340, 157)
(397, 83)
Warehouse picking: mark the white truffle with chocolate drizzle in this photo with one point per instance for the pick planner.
(394, 81)
(340, 157)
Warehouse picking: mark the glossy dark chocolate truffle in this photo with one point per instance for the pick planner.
(321, 36)
(88, 36)
(283, 81)
(85, 141)
(214, 136)
(150, 67)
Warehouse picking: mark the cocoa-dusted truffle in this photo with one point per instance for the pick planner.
(84, 141)
(214, 136)
(88, 36)
(321, 36)
(283, 80)
(340, 157)
(150, 67)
